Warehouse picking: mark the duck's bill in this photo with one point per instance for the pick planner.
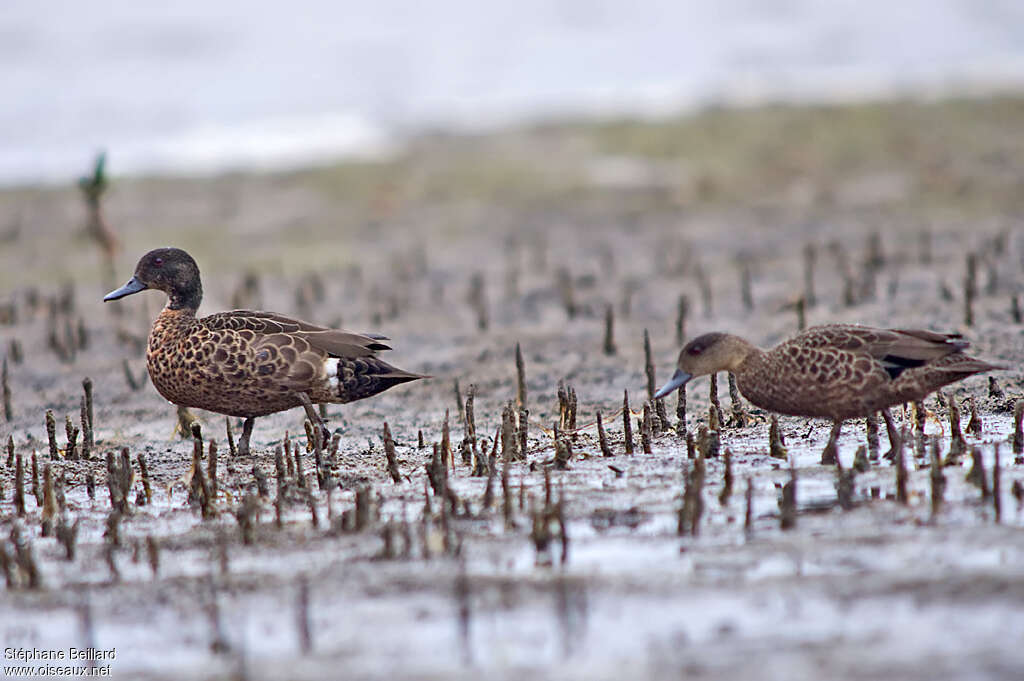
(133, 286)
(679, 378)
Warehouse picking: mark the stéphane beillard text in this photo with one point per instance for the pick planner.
(51, 654)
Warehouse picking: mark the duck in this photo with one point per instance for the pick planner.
(836, 371)
(247, 363)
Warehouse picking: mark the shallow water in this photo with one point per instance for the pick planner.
(196, 87)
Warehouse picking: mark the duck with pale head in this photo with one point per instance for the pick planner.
(837, 372)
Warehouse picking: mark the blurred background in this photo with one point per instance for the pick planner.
(196, 87)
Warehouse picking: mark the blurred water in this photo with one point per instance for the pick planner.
(201, 86)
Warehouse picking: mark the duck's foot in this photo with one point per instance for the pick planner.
(829, 455)
(895, 439)
(314, 417)
(243, 441)
(183, 427)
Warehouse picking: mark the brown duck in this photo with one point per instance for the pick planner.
(246, 363)
(836, 372)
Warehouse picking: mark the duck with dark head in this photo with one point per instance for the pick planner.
(837, 372)
(246, 363)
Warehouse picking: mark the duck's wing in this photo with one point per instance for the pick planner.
(895, 349)
(333, 342)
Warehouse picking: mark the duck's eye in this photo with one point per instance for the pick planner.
(158, 261)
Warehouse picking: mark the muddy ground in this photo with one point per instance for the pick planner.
(458, 248)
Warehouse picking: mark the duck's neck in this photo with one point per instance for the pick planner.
(751, 358)
(753, 374)
(186, 298)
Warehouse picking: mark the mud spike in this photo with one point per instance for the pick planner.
(88, 432)
(861, 462)
(37, 490)
(627, 429)
(15, 352)
(389, 452)
(71, 430)
(704, 284)
(748, 512)
(67, 535)
(994, 391)
(997, 485)
(719, 417)
(976, 475)
(957, 444)
(19, 486)
(469, 420)
(970, 288)
(645, 431)
(800, 306)
(1018, 431)
(739, 414)
(6, 387)
(787, 502)
(458, 400)
(681, 411)
(86, 429)
(523, 431)
(937, 479)
(211, 466)
(602, 438)
(871, 429)
(520, 378)
(129, 377)
(506, 497)
(447, 456)
(682, 311)
(49, 505)
(567, 292)
(144, 472)
(810, 254)
(727, 480)
(649, 366)
(51, 433)
(901, 475)
(974, 425)
(491, 466)
(477, 299)
(746, 294)
(609, 330)
(920, 439)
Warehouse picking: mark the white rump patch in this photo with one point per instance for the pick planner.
(331, 369)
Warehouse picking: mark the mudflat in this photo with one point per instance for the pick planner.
(551, 560)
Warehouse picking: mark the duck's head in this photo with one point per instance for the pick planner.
(170, 270)
(707, 354)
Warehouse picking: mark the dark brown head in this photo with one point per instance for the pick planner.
(170, 270)
(707, 354)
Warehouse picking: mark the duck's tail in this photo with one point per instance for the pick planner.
(361, 377)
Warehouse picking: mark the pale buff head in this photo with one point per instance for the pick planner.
(707, 354)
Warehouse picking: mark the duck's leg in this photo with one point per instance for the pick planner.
(830, 455)
(243, 441)
(314, 417)
(895, 439)
(183, 426)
